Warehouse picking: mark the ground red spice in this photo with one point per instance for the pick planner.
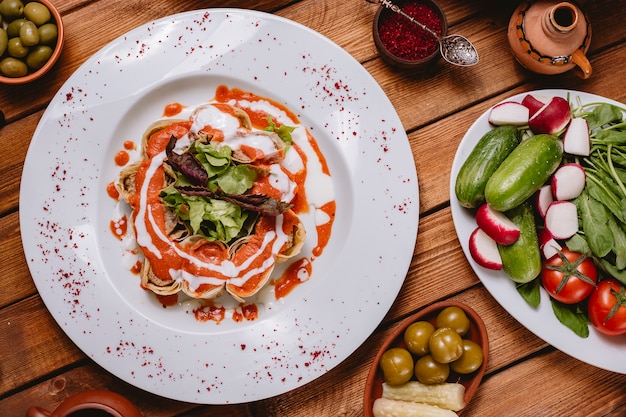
(407, 40)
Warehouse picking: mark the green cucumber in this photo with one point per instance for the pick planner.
(490, 151)
(522, 259)
(523, 172)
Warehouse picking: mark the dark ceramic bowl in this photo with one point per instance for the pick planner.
(391, 55)
(477, 333)
(56, 53)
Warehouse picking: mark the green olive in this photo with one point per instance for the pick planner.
(445, 345)
(455, 318)
(429, 371)
(416, 337)
(470, 360)
(16, 48)
(37, 13)
(48, 33)
(11, 9)
(38, 56)
(29, 34)
(12, 67)
(13, 29)
(397, 366)
(4, 41)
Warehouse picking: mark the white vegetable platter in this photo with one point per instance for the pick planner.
(75, 260)
(606, 352)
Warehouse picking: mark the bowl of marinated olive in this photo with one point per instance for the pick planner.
(431, 364)
(31, 39)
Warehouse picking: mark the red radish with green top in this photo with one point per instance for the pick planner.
(548, 245)
(509, 113)
(534, 103)
(576, 140)
(544, 199)
(562, 219)
(552, 118)
(484, 250)
(568, 181)
(496, 225)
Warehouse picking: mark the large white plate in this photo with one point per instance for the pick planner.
(599, 350)
(75, 260)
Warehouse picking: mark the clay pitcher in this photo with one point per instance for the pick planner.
(90, 403)
(549, 37)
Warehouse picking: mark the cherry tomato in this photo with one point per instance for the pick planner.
(569, 277)
(607, 307)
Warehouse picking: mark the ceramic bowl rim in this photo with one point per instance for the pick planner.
(401, 62)
(56, 53)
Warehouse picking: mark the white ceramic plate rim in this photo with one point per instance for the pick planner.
(74, 259)
(602, 351)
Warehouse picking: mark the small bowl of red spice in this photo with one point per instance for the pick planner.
(402, 43)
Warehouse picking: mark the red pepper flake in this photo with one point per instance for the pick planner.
(407, 40)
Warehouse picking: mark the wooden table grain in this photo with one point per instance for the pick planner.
(39, 364)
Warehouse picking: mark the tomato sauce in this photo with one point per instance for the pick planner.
(172, 109)
(121, 158)
(159, 139)
(119, 227)
(136, 268)
(209, 312)
(167, 300)
(112, 191)
(324, 229)
(247, 312)
(298, 272)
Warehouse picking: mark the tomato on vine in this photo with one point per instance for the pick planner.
(569, 277)
(607, 307)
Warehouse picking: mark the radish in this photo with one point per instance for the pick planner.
(562, 219)
(496, 225)
(548, 245)
(534, 103)
(552, 118)
(576, 139)
(484, 250)
(568, 181)
(544, 199)
(509, 113)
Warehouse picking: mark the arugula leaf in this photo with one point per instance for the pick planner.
(603, 114)
(594, 218)
(573, 317)
(530, 292)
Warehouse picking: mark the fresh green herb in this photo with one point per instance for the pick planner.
(216, 219)
(602, 205)
(530, 292)
(572, 316)
(284, 131)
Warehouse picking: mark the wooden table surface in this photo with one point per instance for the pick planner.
(39, 364)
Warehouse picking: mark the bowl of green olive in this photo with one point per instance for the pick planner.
(431, 364)
(31, 39)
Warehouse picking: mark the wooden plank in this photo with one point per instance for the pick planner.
(31, 344)
(550, 385)
(16, 282)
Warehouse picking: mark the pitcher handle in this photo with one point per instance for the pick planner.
(583, 67)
